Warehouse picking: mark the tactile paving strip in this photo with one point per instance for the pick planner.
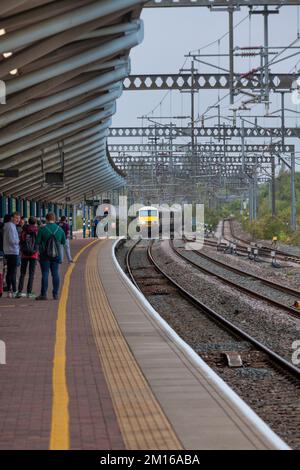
(142, 422)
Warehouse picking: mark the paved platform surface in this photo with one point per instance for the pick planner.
(95, 371)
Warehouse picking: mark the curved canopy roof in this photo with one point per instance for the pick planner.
(62, 65)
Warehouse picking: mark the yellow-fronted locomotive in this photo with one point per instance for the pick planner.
(148, 217)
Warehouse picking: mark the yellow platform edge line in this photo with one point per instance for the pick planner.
(60, 432)
(142, 422)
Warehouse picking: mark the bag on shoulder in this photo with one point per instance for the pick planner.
(29, 247)
(52, 248)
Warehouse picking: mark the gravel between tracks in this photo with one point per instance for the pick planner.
(287, 275)
(240, 279)
(291, 249)
(269, 325)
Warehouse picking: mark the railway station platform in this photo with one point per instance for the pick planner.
(100, 370)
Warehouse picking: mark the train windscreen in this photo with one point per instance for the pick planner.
(149, 213)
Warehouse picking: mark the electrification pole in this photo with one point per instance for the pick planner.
(231, 56)
(293, 194)
(193, 117)
(273, 187)
(265, 52)
(243, 146)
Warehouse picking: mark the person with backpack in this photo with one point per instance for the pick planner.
(21, 225)
(66, 228)
(11, 248)
(29, 254)
(51, 239)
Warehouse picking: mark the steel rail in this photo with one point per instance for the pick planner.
(274, 285)
(128, 265)
(235, 330)
(282, 254)
(241, 248)
(291, 310)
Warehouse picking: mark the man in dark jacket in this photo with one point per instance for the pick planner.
(29, 254)
(46, 233)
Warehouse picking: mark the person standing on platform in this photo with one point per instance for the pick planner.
(51, 239)
(20, 225)
(1, 236)
(7, 218)
(66, 228)
(30, 255)
(11, 248)
(96, 222)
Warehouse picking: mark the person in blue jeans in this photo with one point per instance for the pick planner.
(47, 264)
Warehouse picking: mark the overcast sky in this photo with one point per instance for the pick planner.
(170, 33)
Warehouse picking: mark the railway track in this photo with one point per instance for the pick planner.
(269, 383)
(290, 295)
(241, 249)
(264, 250)
(212, 315)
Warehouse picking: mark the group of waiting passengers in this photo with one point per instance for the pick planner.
(24, 243)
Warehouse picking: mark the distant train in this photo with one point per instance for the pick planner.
(161, 221)
(148, 217)
(147, 221)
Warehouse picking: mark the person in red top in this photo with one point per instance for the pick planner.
(30, 254)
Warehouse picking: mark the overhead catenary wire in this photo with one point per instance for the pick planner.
(274, 60)
(164, 97)
(220, 38)
(196, 50)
